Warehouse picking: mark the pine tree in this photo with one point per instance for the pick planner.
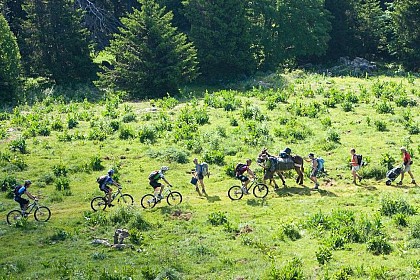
(150, 57)
(9, 62)
(56, 45)
(221, 32)
(405, 15)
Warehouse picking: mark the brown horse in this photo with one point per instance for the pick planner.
(277, 165)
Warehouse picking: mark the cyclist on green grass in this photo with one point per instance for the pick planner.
(240, 169)
(19, 191)
(154, 178)
(103, 185)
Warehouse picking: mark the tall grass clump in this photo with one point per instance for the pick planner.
(390, 207)
(19, 145)
(293, 270)
(95, 163)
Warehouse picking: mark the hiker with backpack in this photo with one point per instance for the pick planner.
(154, 178)
(19, 191)
(240, 169)
(315, 168)
(406, 167)
(199, 172)
(104, 181)
(356, 163)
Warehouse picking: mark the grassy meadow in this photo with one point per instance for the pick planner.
(342, 231)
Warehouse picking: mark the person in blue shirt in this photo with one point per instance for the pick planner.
(198, 174)
(106, 189)
(24, 190)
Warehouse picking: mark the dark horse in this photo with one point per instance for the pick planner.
(277, 165)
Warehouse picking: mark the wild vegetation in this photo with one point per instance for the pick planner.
(342, 231)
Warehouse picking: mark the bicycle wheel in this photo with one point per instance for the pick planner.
(98, 203)
(235, 193)
(14, 216)
(148, 201)
(260, 191)
(42, 214)
(174, 198)
(126, 199)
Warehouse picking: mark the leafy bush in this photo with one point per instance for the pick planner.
(415, 229)
(136, 237)
(381, 125)
(147, 134)
(166, 102)
(62, 184)
(60, 170)
(59, 235)
(323, 255)
(291, 231)
(333, 136)
(95, 163)
(138, 222)
(214, 157)
(384, 108)
(226, 99)
(379, 245)
(347, 106)
(217, 218)
(387, 160)
(71, 121)
(126, 133)
(97, 134)
(373, 172)
(391, 207)
(293, 270)
(400, 220)
(318, 221)
(129, 117)
(121, 215)
(19, 145)
(98, 218)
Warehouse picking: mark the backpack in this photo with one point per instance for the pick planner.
(321, 162)
(154, 175)
(359, 159)
(101, 179)
(16, 190)
(205, 169)
(238, 167)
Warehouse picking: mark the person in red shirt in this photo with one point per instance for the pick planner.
(407, 162)
(355, 166)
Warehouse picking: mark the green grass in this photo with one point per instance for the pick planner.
(280, 237)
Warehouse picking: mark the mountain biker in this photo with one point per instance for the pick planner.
(154, 178)
(198, 173)
(407, 162)
(24, 190)
(107, 190)
(242, 168)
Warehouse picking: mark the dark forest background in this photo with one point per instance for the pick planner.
(149, 48)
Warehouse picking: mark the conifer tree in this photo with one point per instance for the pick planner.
(221, 32)
(55, 44)
(150, 57)
(9, 62)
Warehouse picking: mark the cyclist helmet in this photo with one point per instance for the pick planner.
(164, 168)
(111, 172)
(28, 182)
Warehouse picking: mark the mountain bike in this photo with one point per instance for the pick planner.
(41, 213)
(101, 202)
(259, 190)
(172, 198)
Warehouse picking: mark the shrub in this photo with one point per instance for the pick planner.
(114, 125)
(323, 255)
(217, 218)
(166, 102)
(97, 134)
(415, 229)
(214, 157)
(347, 106)
(400, 220)
(60, 170)
(95, 163)
(129, 117)
(387, 160)
(126, 133)
(136, 237)
(62, 184)
(333, 136)
(138, 222)
(71, 122)
(326, 122)
(384, 108)
(57, 125)
(121, 215)
(291, 231)
(19, 145)
(293, 270)
(147, 134)
(379, 245)
(98, 218)
(391, 207)
(59, 235)
(380, 125)
(373, 171)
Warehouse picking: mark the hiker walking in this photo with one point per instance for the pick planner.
(355, 166)
(407, 162)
